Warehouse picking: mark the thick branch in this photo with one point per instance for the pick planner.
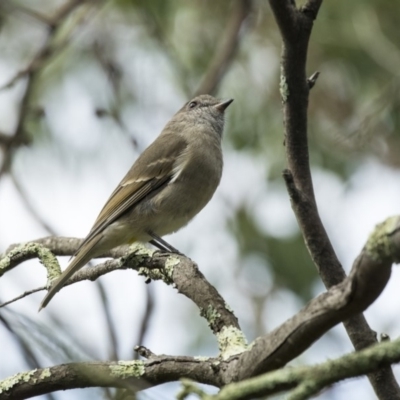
(172, 269)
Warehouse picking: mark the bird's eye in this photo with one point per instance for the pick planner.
(192, 104)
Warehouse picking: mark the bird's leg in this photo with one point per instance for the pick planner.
(161, 244)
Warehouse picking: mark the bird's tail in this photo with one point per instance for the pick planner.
(83, 256)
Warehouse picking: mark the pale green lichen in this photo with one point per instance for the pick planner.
(210, 314)
(379, 245)
(154, 274)
(231, 341)
(127, 369)
(46, 257)
(283, 87)
(10, 382)
(138, 253)
(140, 250)
(164, 274)
(170, 264)
(4, 264)
(45, 373)
(49, 260)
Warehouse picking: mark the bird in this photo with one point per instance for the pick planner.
(170, 182)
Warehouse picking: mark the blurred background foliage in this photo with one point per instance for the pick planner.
(86, 89)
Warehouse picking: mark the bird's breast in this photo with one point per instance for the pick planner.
(196, 177)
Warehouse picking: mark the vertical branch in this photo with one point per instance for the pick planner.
(295, 26)
(112, 333)
(19, 137)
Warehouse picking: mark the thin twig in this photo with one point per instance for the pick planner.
(25, 294)
(312, 80)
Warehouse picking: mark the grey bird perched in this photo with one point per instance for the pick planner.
(170, 182)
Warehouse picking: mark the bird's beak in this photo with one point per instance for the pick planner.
(223, 105)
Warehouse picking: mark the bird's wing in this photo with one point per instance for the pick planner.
(153, 169)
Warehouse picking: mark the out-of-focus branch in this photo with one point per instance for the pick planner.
(153, 27)
(148, 311)
(29, 356)
(23, 295)
(109, 322)
(19, 135)
(226, 48)
(296, 26)
(8, 6)
(8, 140)
(114, 74)
(224, 54)
(50, 47)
